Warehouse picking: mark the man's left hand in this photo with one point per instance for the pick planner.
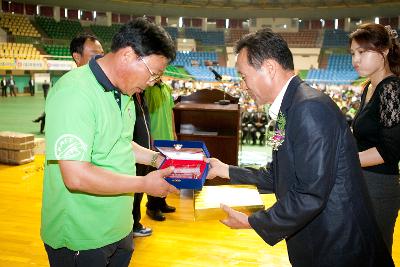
(235, 219)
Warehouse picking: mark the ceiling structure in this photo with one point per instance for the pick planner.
(304, 9)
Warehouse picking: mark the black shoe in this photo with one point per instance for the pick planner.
(37, 120)
(168, 209)
(156, 215)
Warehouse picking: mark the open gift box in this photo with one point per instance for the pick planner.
(188, 158)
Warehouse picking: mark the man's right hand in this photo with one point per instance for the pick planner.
(217, 168)
(156, 185)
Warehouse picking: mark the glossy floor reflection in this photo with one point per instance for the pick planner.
(179, 241)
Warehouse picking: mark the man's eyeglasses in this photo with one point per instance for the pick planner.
(153, 76)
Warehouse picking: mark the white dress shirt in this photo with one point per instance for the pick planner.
(276, 105)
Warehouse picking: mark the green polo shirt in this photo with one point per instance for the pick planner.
(160, 103)
(84, 122)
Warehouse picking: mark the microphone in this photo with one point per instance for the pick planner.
(218, 76)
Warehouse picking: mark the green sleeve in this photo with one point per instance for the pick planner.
(70, 124)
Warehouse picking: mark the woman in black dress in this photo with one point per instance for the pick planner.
(376, 55)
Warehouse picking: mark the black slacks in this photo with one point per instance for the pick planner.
(117, 254)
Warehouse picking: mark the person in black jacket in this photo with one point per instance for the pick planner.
(141, 135)
(376, 54)
(3, 84)
(323, 210)
(31, 84)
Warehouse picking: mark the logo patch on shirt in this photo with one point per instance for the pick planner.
(69, 147)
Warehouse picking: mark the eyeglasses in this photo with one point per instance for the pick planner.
(153, 76)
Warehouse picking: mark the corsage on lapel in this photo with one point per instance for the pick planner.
(276, 140)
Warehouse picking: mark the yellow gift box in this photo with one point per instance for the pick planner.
(244, 198)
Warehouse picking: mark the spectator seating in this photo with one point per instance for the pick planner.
(329, 76)
(205, 38)
(18, 25)
(235, 34)
(173, 31)
(65, 29)
(336, 38)
(301, 39)
(186, 58)
(340, 62)
(58, 50)
(105, 33)
(18, 51)
(205, 74)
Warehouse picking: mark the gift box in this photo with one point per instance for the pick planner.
(16, 141)
(16, 148)
(243, 198)
(188, 158)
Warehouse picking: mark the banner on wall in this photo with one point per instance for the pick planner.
(30, 64)
(60, 65)
(7, 64)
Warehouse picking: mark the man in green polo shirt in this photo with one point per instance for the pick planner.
(89, 175)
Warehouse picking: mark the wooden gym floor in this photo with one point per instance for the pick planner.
(178, 241)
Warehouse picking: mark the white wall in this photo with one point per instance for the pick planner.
(305, 58)
(231, 57)
(185, 44)
(174, 22)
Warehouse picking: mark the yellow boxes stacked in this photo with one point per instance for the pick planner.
(16, 148)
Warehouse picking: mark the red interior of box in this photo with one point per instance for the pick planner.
(185, 169)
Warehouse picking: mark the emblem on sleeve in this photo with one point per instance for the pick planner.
(69, 147)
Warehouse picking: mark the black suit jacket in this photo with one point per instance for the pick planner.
(323, 209)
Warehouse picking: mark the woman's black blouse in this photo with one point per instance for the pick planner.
(377, 124)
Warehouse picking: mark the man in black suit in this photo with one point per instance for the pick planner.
(3, 85)
(45, 87)
(31, 86)
(11, 85)
(322, 210)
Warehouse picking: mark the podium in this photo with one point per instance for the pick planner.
(199, 117)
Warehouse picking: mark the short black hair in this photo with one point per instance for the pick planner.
(145, 38)
(78, 42)
(265, 44)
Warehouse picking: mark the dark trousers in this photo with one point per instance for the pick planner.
(45, 92)
(4, 91)
(12, 90)
(136, 211)
(155, 203)
(384, 191)
(32, 90)
(42, 120)
(118, 254)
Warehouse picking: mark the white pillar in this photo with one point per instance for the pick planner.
(204, 24)
(56, 13)
(158, 20)
(109, 18)
(347, 24)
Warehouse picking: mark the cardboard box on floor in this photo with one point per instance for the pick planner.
(16, 141)
(16, 148)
